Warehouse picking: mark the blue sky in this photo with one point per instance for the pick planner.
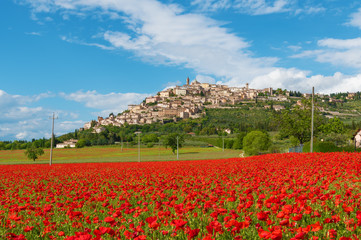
(87, 58)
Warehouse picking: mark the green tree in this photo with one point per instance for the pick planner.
(297, 123)
(334, 125)
(171, 141)
(238, 143)
(33, 153)
(150, 138)
(256, 142)
(81, 143)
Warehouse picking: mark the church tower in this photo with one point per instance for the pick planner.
(187, 81)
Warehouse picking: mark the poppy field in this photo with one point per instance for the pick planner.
(276, 196)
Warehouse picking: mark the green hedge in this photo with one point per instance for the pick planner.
(328, 147)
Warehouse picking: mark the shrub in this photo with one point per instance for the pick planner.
(256, 142)
(81, 143)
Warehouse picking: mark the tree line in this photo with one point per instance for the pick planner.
(292, 123)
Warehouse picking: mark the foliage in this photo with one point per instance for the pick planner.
(337, 139)
(150, 145)
(33, 153)
(256, 142)
(81, 143)
(333, 125)
(297, 123)
(294, 141)
(328, 147)
(240, 119)
(150, 138)
(171, 141)
(238, 143)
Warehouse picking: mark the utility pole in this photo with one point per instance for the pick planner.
(222, 143)
(138, 145)
(121, 148)
(177, 148)
(311, 145)
(52, 139)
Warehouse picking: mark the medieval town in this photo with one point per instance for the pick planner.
(180, 102)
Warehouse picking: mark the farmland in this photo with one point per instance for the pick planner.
(278, 196)
(116, 154)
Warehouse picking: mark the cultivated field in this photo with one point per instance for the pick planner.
(115, 154)
(279, 196)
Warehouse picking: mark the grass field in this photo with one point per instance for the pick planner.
(114, 154)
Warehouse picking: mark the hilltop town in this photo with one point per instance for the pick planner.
(180, 102)
(190, 100)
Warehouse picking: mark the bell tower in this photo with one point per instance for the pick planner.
(187, 81)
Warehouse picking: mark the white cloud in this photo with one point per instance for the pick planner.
(355, 19)
(205, 79)
(8, 101)
(20, 119)
(258, 7)
(106, 103)
(339, 52)
(77, 41)
(21, 135)
(172, 85)
(33, 33)
(340, 43)
(294, 48)
(212, 5)
(295, 79)
(310, 10)
(252, 7)
(165, 34)
(261, 7)
(69, 126)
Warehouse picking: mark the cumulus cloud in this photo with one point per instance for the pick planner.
(106, 103)
(10, 101)
(165, 34)
(339, 52)
(20, 118)
(355, 19)
(302, 81)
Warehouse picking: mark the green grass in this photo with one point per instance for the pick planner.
(114, 154)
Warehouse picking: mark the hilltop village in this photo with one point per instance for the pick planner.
(190, 100)
(187, 101)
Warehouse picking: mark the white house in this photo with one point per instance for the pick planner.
(70, 143)
(164, 94)
(181, 91)
(357, 138)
